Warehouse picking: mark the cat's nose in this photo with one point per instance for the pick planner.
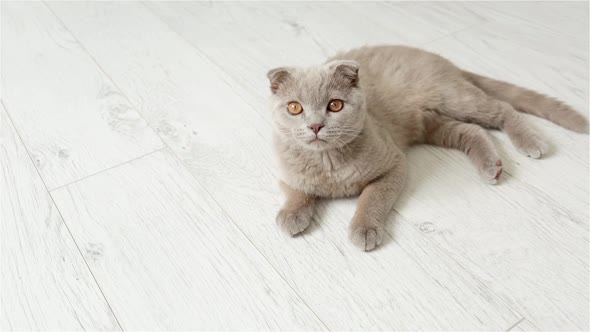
(316, 127)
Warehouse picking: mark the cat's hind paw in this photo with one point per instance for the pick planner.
(492, 171)
(366, 237)
(293, 222)
(531, 146)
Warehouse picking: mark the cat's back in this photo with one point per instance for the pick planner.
(396, 63)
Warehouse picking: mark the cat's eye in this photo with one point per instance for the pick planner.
(294, 108)
(335, 105)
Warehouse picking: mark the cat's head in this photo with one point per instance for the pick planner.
(320, 107)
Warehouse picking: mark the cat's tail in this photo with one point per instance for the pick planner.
(531, 102)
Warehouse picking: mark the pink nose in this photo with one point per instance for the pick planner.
(316, 127)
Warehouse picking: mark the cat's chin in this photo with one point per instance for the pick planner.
(315, 145)
(319, 145)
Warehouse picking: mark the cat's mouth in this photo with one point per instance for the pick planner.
(317, 140)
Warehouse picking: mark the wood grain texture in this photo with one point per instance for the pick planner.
(167, 256)
(398, 286)
(569, 18)
(71, 117)
(45, 283)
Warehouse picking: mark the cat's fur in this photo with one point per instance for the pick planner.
(394, 97)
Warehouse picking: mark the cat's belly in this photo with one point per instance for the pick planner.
(335, 183)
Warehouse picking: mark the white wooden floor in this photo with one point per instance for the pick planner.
(138, 185)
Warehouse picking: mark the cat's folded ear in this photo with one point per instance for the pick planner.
(277, 77)
(346, 71)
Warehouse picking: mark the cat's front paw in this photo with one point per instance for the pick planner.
(366, 237)
(293, 222)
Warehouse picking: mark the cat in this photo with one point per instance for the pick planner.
(340, 129)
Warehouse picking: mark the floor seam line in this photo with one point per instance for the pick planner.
(514, 325)
(107, 169)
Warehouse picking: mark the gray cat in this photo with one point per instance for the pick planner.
(341, 128)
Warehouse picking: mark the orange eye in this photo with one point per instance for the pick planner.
(335, 105)
(294, 108)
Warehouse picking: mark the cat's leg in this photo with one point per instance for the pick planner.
(375, 203)
(297, 212)
(469, 138)
(471, 104)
